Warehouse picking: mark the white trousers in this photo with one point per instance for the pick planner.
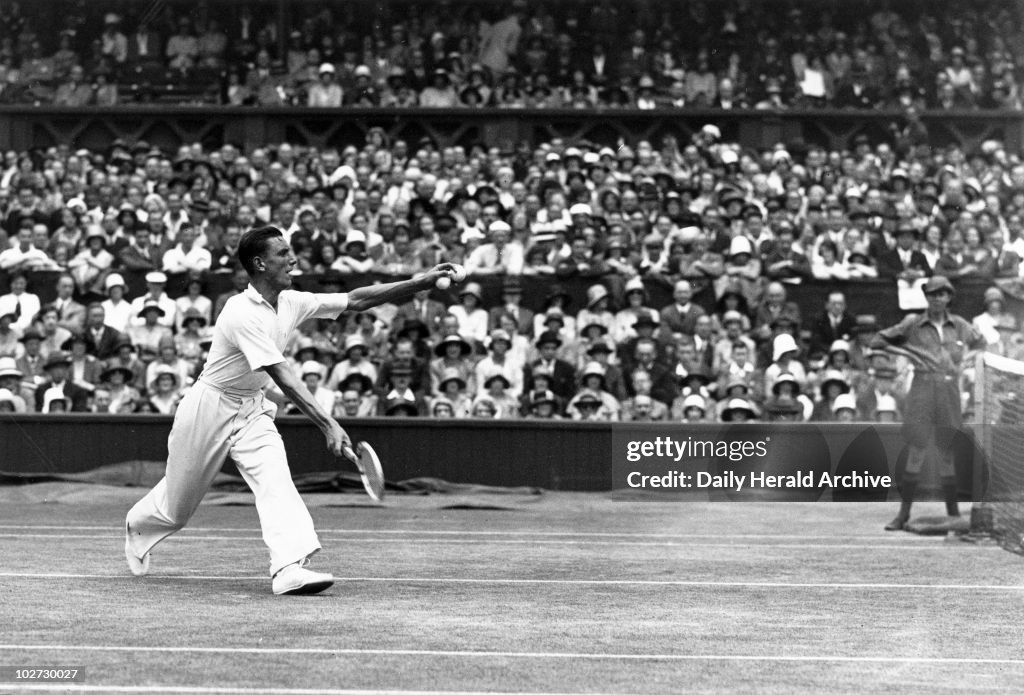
(211, 424)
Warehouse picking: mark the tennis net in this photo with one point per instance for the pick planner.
(998, 510)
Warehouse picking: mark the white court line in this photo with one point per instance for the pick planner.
(411, 532)
(472, 653)
(744, 543)
(509, 580)
(55, 687)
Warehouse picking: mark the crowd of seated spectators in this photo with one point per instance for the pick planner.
(624, 54)
(724, 230)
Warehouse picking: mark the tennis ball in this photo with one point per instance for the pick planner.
(460, 274)
(443, 282)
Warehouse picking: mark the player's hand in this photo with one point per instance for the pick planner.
(441, 270)
(337, 439)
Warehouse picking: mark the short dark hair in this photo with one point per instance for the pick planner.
(254, 243)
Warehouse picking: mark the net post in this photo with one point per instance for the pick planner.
(981, 515)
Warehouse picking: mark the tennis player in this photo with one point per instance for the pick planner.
(226, 414)
(935, 342)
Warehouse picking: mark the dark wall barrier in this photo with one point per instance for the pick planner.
(26, 127)
(876, 297)
(553, 455)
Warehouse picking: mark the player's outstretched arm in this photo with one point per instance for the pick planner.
(363, 298)
(297, 393)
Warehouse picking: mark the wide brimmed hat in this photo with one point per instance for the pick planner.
(538, 398)
(9, 367)
(695, 400)
(737, 405)
(737, 381)
(834, 376)
(314, 367)
(165, 370)
(554, 314)
(31, 334)
(193, 314)
(594, 324)
(783, 343)
(355, 341)
(785, 378)
(548, 337)
(454, 339)
(413, 324)
(474, 289)
(938, 283)
(646, 319)
(499, 334)
(557, 291)
(844, 401)
(783, 407)
(117, 368)
(698, 373)
(151, 306)
(400, 404)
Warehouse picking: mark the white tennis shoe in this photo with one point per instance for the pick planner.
(138, 565)
(296, 579)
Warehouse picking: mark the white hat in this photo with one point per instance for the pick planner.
(471, 233)
(113, 280)
(313, 367)
(729, 157)
(839, 346)
(580, 209)
(593, 368)
(885, 403)
(6, 395)
(552, 157)
(54, 393)
(355, 237)
(688, 234)
(362, 71)
(783, 343)
(155, 276)
(327, 67)
(695, 400)
(740, 244)
(591, 158)
(499, 226)
(711, 130)
(9, 367)
(844, 400)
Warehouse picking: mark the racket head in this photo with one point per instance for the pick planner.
(370, 471)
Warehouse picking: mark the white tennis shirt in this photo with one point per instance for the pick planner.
(250, 335)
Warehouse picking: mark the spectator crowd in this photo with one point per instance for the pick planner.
(639, 54)
(727, 232)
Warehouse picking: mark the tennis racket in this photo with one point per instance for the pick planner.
(370, 471)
